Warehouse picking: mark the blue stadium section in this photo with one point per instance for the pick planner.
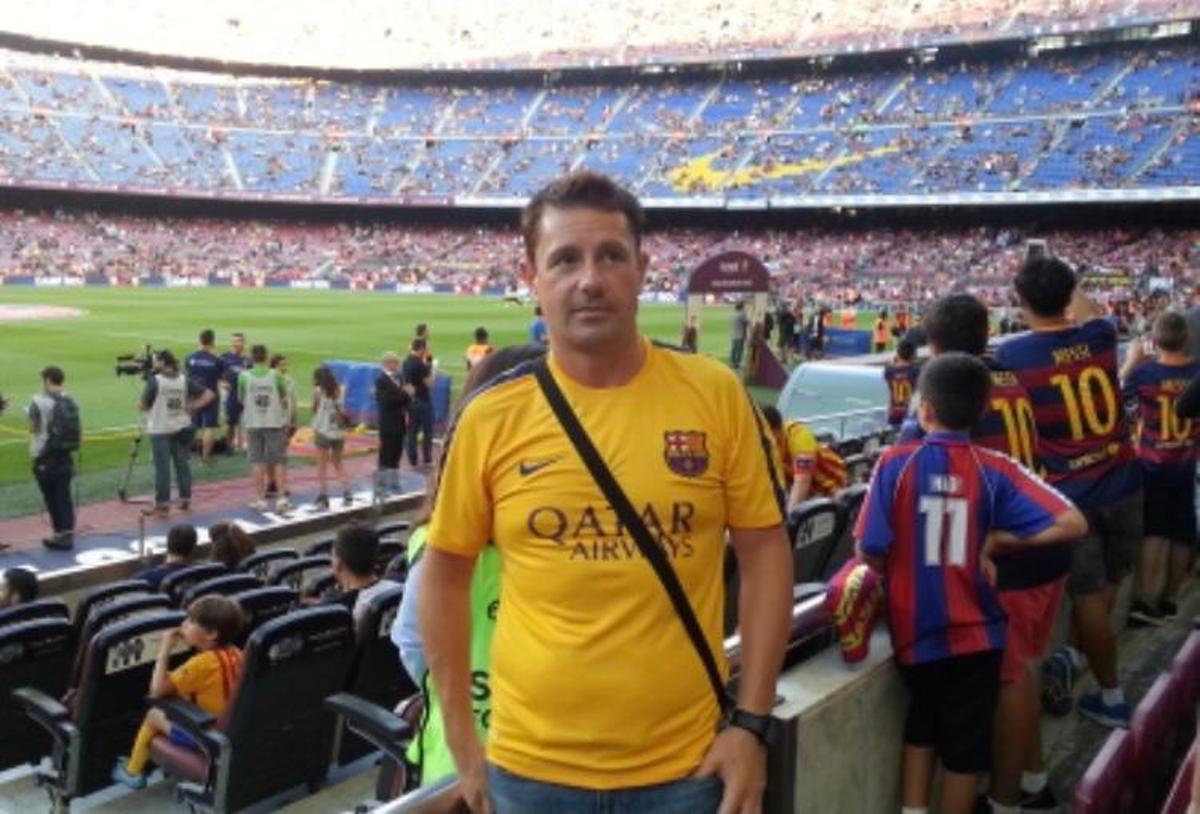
(1113, 119)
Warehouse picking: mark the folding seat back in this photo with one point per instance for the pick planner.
(102, 616)
(813, 527)
(226, 585)
(1186, 668)
(322, 585)
(177, 583)
(276, 733)
(1180, 795)
(298, 573)
(102, 596)
(321, 548)
(858, 468)
(261, 563)
(848, 446)
(397, 530)
(34, 653)
(261, 605)
(376, 674)
(1155, 731)
(108, 707)
(850, 501)
(1106, 787)
(38, 609)
(389, 550)
(397, 569)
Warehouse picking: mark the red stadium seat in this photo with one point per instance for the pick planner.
(1155, 729)
(1186, 668)
(1107, 785)
(1181, 790)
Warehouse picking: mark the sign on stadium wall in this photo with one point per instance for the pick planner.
(730, 273)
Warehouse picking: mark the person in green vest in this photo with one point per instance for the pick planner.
(428, 752)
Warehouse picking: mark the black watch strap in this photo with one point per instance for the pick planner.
(760, 726)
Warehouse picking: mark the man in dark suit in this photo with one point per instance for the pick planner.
(391, 402)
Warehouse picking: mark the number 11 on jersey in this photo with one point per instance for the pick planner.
(936, 511)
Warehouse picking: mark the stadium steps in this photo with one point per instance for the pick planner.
(138, 128)
(446, 115)
(1061, 128)
(704, 103)
(752, 151)
(1179, 128)
(231, 168)
(1111, 85)
(585, 136)
(891, 95)
(328, 170)
(533, 109)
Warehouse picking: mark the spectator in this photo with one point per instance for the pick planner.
(901, 379)
(738, 326)
(568, 752)
(355, 564)
(478, 349)
(20, 586)
(208, 679)
(181, 544)
(538, 332)
(329, 435)
(418, 376)
(953, 678)
(230, 544)
(1071, 355)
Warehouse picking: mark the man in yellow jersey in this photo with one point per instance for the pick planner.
(600, 700)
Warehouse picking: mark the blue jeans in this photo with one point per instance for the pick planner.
(53, 474)
(420, 420)
(172, 449)
(512, 794)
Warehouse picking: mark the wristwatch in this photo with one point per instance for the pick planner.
(762, 727)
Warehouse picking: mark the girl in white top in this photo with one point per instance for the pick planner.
(329, 433)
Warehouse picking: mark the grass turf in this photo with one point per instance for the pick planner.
(308, 326)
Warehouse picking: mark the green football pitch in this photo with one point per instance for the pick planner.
(308, 326)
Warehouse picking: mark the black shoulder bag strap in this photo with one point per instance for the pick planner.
(632, 521)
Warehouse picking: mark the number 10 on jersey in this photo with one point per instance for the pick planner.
(945, 528)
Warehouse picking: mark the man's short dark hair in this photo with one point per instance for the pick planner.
(772, 415)
(422, 329)
(218, 614)
(181, 540)
(956, 385)
(1171, 332)
(959, 323)
(167, 359)
(358, 548)
(238, 335)
(581, 190)
(418, 344)
(481, 335)
(258, 353)
(275, 360)
(906, 350)
(1045, 285)
(53, 374)
(207, 337)
(22, 581)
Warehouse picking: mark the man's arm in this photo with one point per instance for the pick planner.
(443, 608)
(149, 394)
(801, 489)
(1082, 307)
(1134, 356)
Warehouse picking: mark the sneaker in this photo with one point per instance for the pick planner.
(121, 775)
(185, 505)
(347, 499)
(321, 504)
(63, 541)
(1168, 610)
(1044, 802)
(1142, 615)
(283, 505)
(156, 510)
(259, 505)
(1091, 705)
(1058, 682)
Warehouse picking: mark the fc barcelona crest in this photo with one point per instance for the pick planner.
(686, 452)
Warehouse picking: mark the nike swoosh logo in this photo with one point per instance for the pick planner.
(527, 468)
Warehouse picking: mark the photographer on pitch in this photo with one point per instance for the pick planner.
(54, 433)
(168, 401)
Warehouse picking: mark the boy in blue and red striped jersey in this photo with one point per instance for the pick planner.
(936, 512)
(901, 379)
(1166, 450)
(1068, 363)
(1029, 582)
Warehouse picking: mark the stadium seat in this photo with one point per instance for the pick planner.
(1107, 785)
(177, 583)
(813, 527)
(376, 674)
(321, 548)
(397, 568)
(102, 596)
(849, 502)
(297, 573)
(276, 733)
(387, 731)
(858, 468)
(226, 585)
(35, 653)
(126, 607)
(1155, 730)
(1186, 668)
(261, 605)
(261, 563)
(389, 550)
(38, 609)
(394, 529)
(321, 585)
(108, 707)
(1180, 795)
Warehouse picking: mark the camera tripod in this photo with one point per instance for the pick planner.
(134, 447)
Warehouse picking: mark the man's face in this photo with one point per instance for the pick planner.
(391, 365)
(587, 273)
(238, 345)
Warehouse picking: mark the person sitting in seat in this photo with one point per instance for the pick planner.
(208, 679)
(20, 585)
(181, 544)
(230, 544)
(353, 559)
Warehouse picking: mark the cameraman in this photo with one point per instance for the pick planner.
(54, 433)
(168, 401)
